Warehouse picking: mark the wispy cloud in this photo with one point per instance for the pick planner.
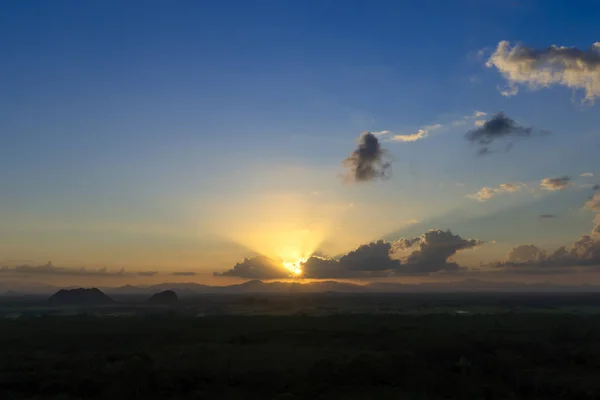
(487, 193)
(424, 131)
(587, 175)
(51, 269)
(554, 184)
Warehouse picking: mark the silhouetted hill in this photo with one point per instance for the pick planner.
(257, 286)
(80, 296)
(167, 297)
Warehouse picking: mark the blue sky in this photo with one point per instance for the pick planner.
(160, 135)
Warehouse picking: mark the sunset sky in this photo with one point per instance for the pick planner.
(169, 140)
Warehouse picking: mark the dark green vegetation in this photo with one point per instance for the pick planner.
(428, 356)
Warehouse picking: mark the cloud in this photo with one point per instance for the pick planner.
(183, 273)
(324, 268)
(555, 65)
(526, 252)
(435, 248)
(498, 127)
(483, 194)
(596, 187)
(370, 257)
(593, 203)
(381, 133)
(587, 175)
(367, 260)
(547, 216)
(479, 122)
(509, 90)
(424, 131)
(583, 252)
(554, 184)
(487, 193)
(431, 254)
(411, 137)
(419, 134)
(50, 269)
(368, 162)
(258, 267)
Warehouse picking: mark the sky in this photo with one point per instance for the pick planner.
(205, 141)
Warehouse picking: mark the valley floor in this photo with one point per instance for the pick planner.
(353, 356)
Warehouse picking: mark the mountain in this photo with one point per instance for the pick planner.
(80, 297)
(167, 297)
(184, 289)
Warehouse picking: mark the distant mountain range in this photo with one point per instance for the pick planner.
(257, 286)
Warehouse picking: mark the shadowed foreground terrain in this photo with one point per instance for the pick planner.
(427, 356)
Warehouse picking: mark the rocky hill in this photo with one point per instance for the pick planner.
(167, 297)
(80, 297)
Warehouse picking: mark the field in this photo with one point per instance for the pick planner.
(321, 347)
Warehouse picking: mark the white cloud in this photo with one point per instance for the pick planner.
(463, 120)
(381, 133)
(510, 187)
(418, 135)
(483, 194)
(412, 137)
(479, 122)
(487, 193)
(509, 90)
(555, 65)
(587, 175)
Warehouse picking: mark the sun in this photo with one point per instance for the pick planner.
(294, 267)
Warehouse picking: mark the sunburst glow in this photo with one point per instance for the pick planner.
(294, 267)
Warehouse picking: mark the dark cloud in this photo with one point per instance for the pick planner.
(328, 268)
(370, 257)
(50, 269)
(596, 187)
(369, 161)
(554, 184)
(547, 216)
(403, 244)
(375, 259)
(435, 248)
(484, 151)
(183, 273)
(258, 267)
(498, 127)
(584, 252)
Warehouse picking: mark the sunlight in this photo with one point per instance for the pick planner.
(284, 227)
(295, 267)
